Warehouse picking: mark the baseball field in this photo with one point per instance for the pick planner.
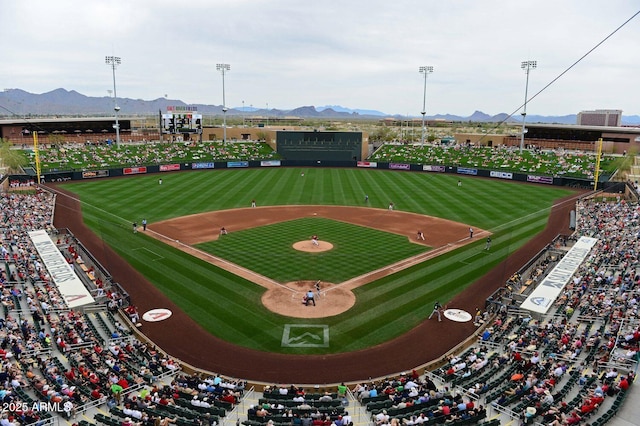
(367, 237)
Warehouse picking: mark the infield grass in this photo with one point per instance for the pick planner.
(230, 307)
(268, 250)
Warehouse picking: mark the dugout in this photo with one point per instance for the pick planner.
(320, 146)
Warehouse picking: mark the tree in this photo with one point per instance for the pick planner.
(261, 135)
(56, 141)
(382, 134)
(11, 159)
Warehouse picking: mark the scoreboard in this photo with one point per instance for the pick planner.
(187, 122)
(319, 146)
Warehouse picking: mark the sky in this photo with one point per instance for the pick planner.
(359, 54)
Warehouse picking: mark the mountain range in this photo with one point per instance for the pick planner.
(62, 102)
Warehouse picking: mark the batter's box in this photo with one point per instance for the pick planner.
(305, 336)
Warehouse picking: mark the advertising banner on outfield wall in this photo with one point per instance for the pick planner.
(398, 166)
(540, 179)
(134, 170)
(95, 174)
(231, 164)
(371, 164)
(467, 171)
(169, 167)
(270, 163)
(68, 283)
(501, 175)
(543, 296)
(439, 169)
(202, 165)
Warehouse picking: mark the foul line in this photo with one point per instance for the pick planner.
(87, 204)
(159, 257)
(570, 200)
(221, 263)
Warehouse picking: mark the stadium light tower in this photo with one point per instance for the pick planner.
(425, 70)
(223, 68)
(526, 66)
(113, 62)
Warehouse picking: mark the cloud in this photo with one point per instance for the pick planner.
(359, 54)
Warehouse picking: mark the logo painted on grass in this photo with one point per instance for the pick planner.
(156, 315)
(457, 315)
(305, 336)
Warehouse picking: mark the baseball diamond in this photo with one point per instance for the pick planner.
(189, 341)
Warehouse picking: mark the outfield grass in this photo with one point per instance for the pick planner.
(230, 307)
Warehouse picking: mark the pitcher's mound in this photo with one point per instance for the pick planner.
(287, 300)
(308, 246)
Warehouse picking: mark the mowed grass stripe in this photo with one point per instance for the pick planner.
(267, 250)
(412, 292)
(166, 261)
(384, 309)
(200, 287)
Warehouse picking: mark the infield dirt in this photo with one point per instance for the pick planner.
(285, 298)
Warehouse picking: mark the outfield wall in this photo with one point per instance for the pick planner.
(460, 171)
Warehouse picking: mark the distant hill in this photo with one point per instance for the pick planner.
(366, 112)
(62, 102)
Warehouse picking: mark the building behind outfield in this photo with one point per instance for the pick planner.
(616, 140)
(600, 117)
(19, 131)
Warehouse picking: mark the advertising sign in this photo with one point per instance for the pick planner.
(95, 174)
(397, 166)
(371, 164)
(270, 163)
(169, 167)
(134, 170)
(202, 165)
(237, 164)
(501, 175)
(467, 171)
(540, 179)
(439, 169)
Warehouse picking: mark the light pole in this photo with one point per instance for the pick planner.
(243, 114)
(526, 66)
(267, 114)
(426, 70)
(223, 68)
(113, 62)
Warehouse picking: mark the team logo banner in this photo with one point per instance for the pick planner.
(543, 296)
(64, 277)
